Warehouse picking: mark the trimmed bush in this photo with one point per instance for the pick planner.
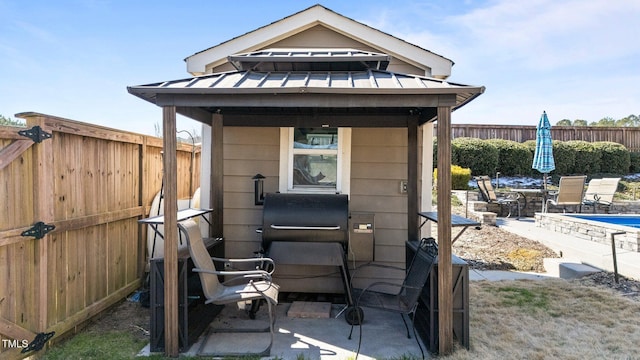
(587, 159)
(564, 157)
(514, 158)
(634, 166)
(460, 177)
(478, 155)
(614, 157)
(435, 152)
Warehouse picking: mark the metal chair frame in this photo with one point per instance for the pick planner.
(489, 195)
(243, 286)
(405, 300)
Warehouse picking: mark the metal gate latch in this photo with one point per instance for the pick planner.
(36, 134)
(38, 342)
(39, 230)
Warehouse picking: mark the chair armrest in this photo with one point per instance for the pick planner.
(261, 260)
(353, 273)
(244, 274)
(387, 284)
(381, 283)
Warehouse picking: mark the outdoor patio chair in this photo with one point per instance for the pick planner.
(600, 192)
(405, 300)
(244, 286)
(489, 195)
(570, 193)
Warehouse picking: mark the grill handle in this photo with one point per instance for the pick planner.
(294, 227)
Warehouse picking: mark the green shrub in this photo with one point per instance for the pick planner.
(614, 157)
(587, 158)
(564, 157)
(634, 164)
(478, 155)
(460, 177)
(435, 152)
(514, 158)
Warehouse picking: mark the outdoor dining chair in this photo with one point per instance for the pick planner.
(243, 286)
(600, 192)
(570, 193)
(405, 300)
(489, 195)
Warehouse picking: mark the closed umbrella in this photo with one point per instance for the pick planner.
(543, 156)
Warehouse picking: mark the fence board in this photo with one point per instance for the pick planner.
(627, 136)
(93, 184)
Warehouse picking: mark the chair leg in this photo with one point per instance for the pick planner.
(272, 323)
(263, 353)
(413, 322)
(405, 326)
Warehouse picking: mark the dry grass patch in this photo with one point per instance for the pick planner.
(550, 319)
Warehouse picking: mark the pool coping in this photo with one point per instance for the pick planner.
(591, 230)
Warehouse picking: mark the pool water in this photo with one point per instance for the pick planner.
(623, 220)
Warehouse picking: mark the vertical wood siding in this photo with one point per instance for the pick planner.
(627, 136)
(102, 180)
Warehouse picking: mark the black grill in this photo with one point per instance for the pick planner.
(307, 229)
(305, 218)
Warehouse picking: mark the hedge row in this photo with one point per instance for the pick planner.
(510, 158)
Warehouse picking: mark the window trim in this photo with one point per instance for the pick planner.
(343, 171)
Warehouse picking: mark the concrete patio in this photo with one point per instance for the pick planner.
(383, 333)
(383, 336)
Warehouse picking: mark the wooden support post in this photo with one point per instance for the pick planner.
(217, 175)
(445, 287)
(426, 176)
(170, 170)
(412, 178)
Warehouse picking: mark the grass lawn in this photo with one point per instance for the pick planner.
(545, 319)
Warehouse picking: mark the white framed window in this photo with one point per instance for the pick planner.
(315, 160)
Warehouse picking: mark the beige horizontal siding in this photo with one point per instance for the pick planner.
(379, 163)
(247, 152)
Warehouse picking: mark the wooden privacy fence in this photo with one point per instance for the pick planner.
(627, 136)
(92, 184)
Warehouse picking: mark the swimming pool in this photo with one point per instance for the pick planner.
(596, 228)
(622, 220)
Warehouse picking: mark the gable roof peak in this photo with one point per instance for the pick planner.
(263, 37)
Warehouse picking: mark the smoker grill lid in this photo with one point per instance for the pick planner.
(305, 218)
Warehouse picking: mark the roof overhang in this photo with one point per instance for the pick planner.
(370, 94)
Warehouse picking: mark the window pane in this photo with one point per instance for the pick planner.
(315, 170)
(315, 138)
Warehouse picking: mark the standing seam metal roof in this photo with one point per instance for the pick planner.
(374, 80)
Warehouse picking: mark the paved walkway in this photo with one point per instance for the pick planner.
(575, 249)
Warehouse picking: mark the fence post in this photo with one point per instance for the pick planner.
(43, 205)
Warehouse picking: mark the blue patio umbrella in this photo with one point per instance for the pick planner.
(543, 156)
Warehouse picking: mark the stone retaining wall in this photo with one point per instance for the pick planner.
(589, 230)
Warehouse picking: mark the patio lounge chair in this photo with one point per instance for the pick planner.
(405, 300)
(244, 286)
(570, 193)
(600, 192)
(489, 195)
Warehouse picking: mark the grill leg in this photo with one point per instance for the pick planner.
(346, 280)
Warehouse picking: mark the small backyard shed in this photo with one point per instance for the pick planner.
(317, 77)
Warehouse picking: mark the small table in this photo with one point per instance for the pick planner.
(525, 192)
(184, 214)
(456, 221)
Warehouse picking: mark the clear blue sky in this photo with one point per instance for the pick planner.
(576, 59)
